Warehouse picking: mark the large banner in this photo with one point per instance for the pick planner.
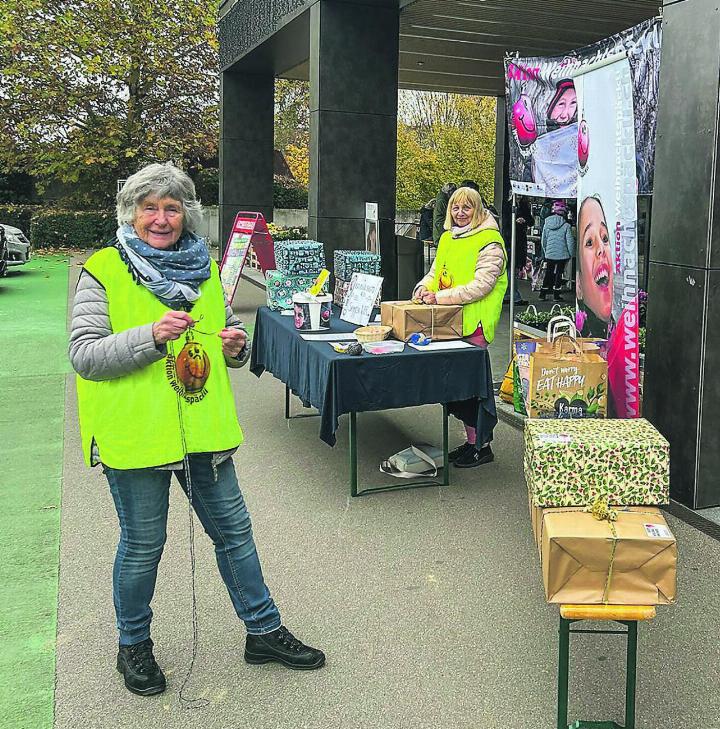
(607, 270)
(542, 109)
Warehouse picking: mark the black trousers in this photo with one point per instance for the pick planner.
(553, 275)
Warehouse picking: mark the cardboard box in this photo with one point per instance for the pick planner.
(631, 561)
(573, 462)
(432, 320)
(280, 288)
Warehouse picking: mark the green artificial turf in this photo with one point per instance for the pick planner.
(33, 339)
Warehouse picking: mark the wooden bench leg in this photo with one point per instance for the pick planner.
(563, 674)
(631, 675)
(631, 635)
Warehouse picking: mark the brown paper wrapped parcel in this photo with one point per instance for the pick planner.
(433, 320)
(585, 561)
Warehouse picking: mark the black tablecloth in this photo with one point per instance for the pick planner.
(338, 383)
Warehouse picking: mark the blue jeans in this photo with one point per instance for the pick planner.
(141, 499)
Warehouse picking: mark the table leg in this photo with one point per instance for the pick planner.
(288, 416)
(446, 447)
(353, 454)
(423, 483)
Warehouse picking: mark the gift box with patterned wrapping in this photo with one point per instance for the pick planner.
(349, 262)
(341, 290)
(299, 257)
(573, 462)
(281, 287)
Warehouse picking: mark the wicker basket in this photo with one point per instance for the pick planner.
(372, 333)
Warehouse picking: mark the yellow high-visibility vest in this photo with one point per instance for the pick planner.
(183, 403)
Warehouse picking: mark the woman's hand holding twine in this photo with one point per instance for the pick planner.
(233, 341)
(171, 326)
(174, 323)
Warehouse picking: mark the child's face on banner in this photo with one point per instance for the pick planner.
(565, 108)
(595, 282)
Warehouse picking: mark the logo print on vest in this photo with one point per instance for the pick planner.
(446, 279)
(189, 372)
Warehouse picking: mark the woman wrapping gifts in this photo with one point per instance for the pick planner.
(470, 270)
(152, 338)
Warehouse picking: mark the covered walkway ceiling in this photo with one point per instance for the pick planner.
(459, 45)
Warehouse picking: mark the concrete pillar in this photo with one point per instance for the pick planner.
(682, 386)
(353, 125)
(246, 147)
(502, 162)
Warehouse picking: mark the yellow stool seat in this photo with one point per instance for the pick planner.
(608, 612)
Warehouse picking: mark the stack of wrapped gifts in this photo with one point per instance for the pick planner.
(349, 262)
(594, 488)
(298, 264)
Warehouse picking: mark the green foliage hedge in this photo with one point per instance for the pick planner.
(18, 216)
(17, 187)
(207, 186)
(289, 194)
(69, 228)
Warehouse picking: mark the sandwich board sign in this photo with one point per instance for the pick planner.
(248, 229)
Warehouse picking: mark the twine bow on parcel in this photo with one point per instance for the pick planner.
(601, 510)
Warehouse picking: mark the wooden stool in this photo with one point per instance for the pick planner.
(628, 615)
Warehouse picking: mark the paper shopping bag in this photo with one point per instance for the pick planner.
(567, 378)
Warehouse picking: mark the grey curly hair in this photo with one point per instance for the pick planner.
(163, 180)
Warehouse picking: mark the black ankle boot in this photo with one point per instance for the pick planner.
(142, 674)
(282, 646)
(475, 457)
(459, 451)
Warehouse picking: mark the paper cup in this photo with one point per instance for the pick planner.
(312, 313)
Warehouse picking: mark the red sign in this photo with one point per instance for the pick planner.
(248, 229)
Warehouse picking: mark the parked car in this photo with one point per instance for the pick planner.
(18, 246)
(3, 253)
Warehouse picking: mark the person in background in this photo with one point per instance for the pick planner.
(558, 247)
(491, 209)
(523, 220)
(440, 211)
(151, 339)
(470, 270)
(425, 227)
(545, 213)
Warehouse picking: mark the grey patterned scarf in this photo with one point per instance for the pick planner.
(174, 276)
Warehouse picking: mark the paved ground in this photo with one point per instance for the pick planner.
(427, 602)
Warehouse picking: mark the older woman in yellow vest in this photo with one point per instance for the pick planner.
(470, 269)
(152, 338)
